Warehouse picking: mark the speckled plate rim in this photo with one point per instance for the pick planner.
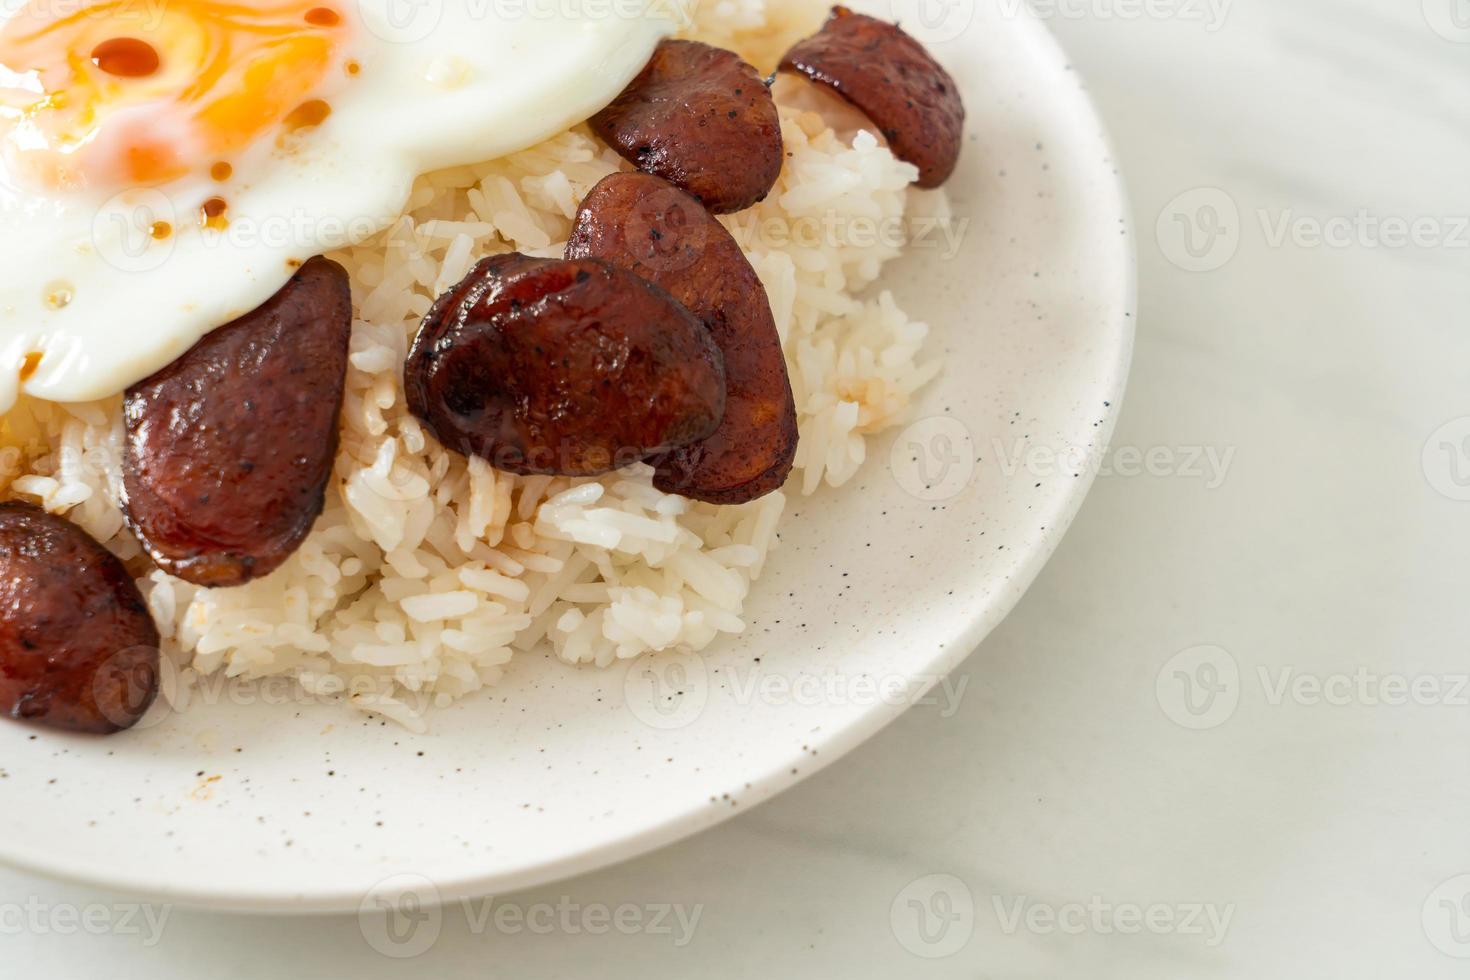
(1020, 572)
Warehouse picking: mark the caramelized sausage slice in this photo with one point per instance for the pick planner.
(570, 368)
(229, 448)
(78, 650)
(700, 118)
(657, 231)
(893, 80)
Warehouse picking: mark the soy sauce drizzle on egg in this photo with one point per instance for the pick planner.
(126, 57)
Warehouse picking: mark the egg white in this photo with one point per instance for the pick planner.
(442, 83)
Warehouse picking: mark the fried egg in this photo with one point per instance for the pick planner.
(166, 164)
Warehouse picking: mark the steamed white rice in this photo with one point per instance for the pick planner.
(428, 572)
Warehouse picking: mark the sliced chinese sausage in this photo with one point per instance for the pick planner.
(702, 119)
(78, 650)
(894, 81)
(657, 231)
(230, 447)
(559, 367)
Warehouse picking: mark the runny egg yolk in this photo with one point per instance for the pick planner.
(107, 94)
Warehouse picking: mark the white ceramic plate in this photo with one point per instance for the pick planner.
(880, 587)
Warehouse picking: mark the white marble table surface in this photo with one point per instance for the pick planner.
(1227, 734)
